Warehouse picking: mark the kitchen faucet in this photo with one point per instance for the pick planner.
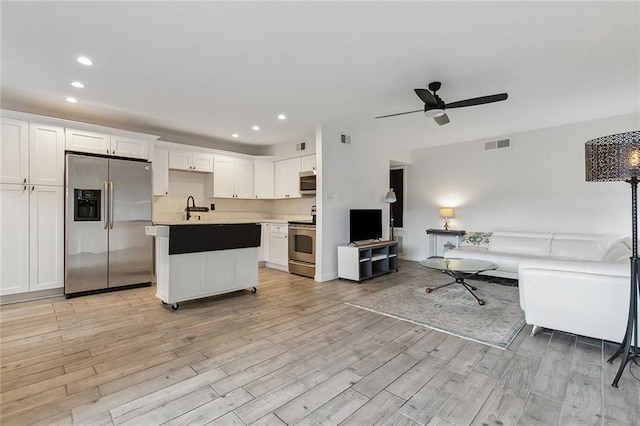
(190, 197)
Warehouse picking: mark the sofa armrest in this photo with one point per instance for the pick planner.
(586, 267)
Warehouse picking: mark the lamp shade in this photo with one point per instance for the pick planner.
(390, 197)
(446, 212)
(613, 158)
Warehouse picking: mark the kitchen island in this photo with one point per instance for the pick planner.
(195, 260)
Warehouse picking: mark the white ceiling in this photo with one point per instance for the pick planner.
(216, 68)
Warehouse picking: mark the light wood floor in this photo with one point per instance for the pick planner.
(292, 353)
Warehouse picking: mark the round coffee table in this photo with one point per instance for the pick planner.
(460, 270)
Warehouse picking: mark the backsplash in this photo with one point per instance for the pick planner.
(171, 208)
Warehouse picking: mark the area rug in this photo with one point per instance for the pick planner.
(452, 309)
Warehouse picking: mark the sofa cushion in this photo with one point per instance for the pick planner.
(475, 239)
(533, 245)
(581, 247)
(619, 252)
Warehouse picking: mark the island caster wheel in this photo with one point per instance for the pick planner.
(428, 290)
(254, 290)
(175, 306)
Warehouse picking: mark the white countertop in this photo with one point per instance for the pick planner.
(221, 221)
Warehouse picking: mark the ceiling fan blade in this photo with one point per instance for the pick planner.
(426, 97)
(478, 101)
(400, 113)
(443, 119)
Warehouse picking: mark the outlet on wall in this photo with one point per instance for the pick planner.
(213, 207)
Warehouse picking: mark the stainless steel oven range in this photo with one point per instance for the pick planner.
(302, 248)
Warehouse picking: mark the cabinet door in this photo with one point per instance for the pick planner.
(264, 179)
(46, 154)
(130, 148)
(243, 176)
(82, 141)
(14, 147)
(14, 239)
(282, 184)
(160, 167)
(294, 180)
(265, 234)
(46, 237)
(180, 160)
(279, 248)
(308, 163)
(223, 177)
(202, 162)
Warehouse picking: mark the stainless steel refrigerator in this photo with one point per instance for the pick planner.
(107, 205)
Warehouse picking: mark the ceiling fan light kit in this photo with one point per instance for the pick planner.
(435, 107)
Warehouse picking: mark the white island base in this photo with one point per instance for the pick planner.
(191, 276)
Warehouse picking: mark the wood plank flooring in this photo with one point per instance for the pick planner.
(294, 353)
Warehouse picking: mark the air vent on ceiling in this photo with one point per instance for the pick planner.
(502, 143)
(345, 139)
(301, 146)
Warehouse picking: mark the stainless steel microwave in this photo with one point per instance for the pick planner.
(308, 183)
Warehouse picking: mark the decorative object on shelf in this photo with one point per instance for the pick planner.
(617, 158)
(390, 198)
(446, 213)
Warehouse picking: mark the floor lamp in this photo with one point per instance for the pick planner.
(617, 158)
(391, 198)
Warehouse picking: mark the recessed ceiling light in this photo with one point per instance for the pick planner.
(235, 135)
(77, 84)
(84, 60)
(70, 99)
(282, 117)
(256, 128)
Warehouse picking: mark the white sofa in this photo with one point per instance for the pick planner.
(577, 283)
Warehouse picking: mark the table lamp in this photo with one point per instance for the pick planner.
(446, 213)
(617, 158)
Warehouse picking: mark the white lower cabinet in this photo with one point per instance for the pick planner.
(31, 238)
(279, 247)
(46, 237)
(14, 239)
(265, 236)
(194, 275)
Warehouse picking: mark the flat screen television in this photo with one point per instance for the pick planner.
(365, 224)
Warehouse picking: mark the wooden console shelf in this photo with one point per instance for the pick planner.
(367, 260)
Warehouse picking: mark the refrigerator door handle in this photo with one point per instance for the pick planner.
(110, 205)
(106, 206)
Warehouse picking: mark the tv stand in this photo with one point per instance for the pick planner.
(367, 260)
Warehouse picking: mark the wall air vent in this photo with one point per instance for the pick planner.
(502, 143)
(345, 139)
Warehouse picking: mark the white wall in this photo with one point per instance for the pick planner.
(536, 185)
(350, 176)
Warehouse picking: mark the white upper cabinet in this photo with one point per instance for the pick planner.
(32, 153)
(232, 177)
(130, 148)
(14, 147)
(264, 179)
(287, 182)
(308, 163)
(160, 171)
(92, 143)
(104, 144)
(190, 161)
(46, 154)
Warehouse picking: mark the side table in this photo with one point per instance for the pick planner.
(439, 237)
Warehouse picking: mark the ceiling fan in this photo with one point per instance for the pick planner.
(435, 107)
